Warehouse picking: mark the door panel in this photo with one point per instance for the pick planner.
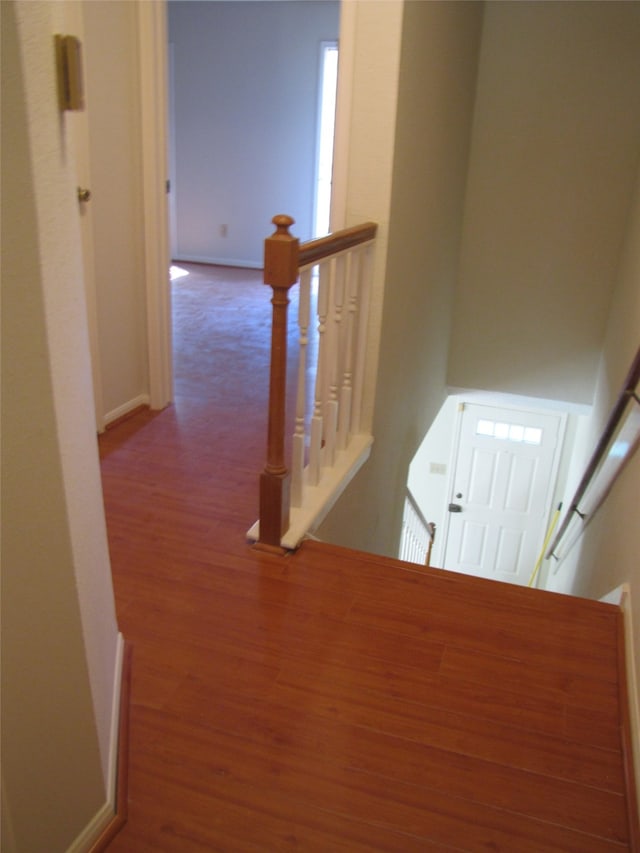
(521, 477)
(482, 477)
(472, 545)
(509, 551)
(503, 483)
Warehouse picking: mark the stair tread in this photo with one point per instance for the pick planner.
(484, 587)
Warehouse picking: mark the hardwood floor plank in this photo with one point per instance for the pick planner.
(332, 700)
(490, 702)
(591, 726)
(269, 776)
(441, 621)
(302, 731)
(524, 676)
(465, 733)
(207, 822)
(549, 605)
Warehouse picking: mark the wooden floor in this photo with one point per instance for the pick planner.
(329, 701)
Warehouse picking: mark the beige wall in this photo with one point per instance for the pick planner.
(607, 555)
(556, 137)
(542, 193)
(59, 633)
(370, 43)
(439, 44)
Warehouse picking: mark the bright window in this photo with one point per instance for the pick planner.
(509, 432)
(326, 128)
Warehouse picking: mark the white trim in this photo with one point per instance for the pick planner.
(346, 55)
(152, 37)
(98, 823)
(112, 772)
(319, 500)
(125, 408)
(181, 258)
(615, 596)
(632, 684)
(505, 400)
(173, 214)
(451, 468)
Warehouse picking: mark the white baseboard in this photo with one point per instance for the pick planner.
(92, 830)
(85, 840)
(616, 595)
(125, 408)
(112, 770)
(218, 262)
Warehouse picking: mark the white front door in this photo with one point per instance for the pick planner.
(502, 489)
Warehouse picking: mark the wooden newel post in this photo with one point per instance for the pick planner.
(280, 273)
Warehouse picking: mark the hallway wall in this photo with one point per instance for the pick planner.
(556, 139)
(436, 86)
(59, 634)
(607, 554)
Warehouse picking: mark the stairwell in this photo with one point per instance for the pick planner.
(331, 699)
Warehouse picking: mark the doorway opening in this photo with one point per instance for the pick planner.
(328, 83)
(245, 139)
(488, 474)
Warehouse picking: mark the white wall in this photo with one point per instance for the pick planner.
(60, 639)
(245, 83)
(421, 219)
(556, 138)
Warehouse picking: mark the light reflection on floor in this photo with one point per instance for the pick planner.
(177, 272)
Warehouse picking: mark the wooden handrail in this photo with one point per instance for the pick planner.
(316, 250)
(628, 390)
(283, 258)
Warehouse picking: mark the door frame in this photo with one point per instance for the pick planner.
(153, 65)
(326, 45)
(153, 90)
(342, 128)
(513, 407)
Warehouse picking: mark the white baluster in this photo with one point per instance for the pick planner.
(334, 340)
(297, 462)
(364, 289)
(346, 388)
(315, 447)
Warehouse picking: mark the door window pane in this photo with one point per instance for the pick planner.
(509, 432)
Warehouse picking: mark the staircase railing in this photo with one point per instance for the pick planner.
(618, 441)
(418, 534)
(330, 441)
